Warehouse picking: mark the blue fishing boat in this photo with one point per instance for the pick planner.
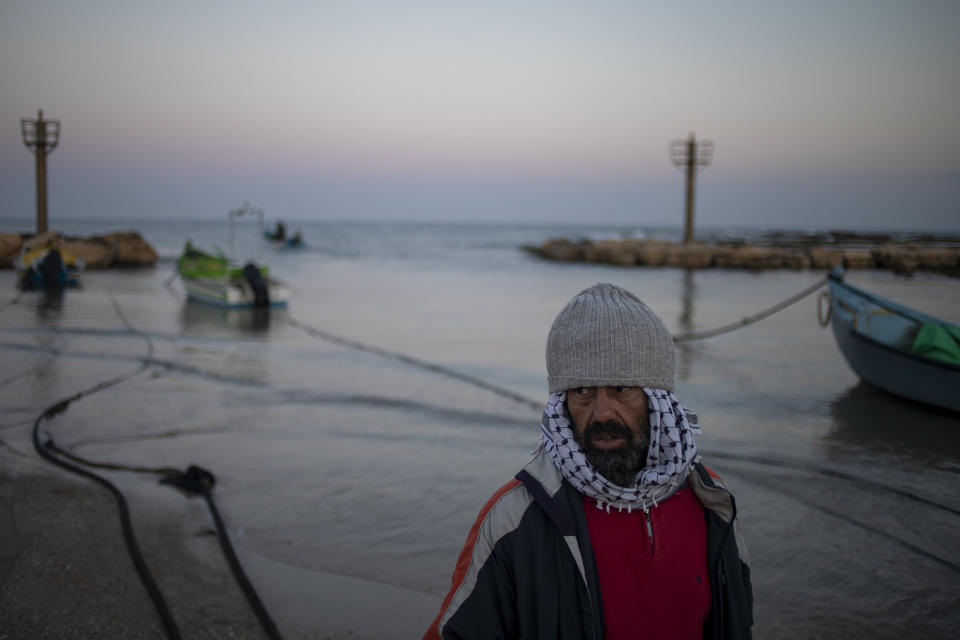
(895, 348)
(47, 266)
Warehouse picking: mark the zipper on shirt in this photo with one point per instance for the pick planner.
(646, 515)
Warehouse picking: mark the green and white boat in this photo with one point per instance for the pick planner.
(214, 279)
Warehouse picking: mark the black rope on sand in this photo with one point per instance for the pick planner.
(200, 481)
(423, 364)
(46, 450)
(743, 322)
(194, 480)
(159, 603)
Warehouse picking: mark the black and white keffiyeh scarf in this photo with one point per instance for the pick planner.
(671, 453)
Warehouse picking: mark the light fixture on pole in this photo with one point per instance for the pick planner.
(41, 137)
(690, 158)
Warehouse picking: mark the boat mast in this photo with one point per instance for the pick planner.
(246, 209)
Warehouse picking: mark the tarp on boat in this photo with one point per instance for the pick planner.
(938, 341)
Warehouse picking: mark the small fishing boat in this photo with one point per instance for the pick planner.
(47, 267)
(214, 279)
(280, 240)
(900, 350)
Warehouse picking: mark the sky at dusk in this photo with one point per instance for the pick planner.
(841, 114)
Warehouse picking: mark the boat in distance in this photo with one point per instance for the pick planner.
(900, 350)
(214, 279)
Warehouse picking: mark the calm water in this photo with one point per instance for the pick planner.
(338, 462)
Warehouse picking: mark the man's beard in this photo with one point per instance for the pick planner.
(621, 465)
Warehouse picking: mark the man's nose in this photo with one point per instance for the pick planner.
(604, 408)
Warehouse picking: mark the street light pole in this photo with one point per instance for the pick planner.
(41, 137)
(687, 157)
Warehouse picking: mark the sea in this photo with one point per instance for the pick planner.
(356, 433)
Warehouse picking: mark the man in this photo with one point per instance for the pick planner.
(614, 529)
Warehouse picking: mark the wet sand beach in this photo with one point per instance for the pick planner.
(65, 572)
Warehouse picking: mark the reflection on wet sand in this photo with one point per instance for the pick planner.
(688, 292)
(865, 416)
(49, 306)
(199, 318)
(246, 361)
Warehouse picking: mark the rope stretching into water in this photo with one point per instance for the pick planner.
(506, 393)
(46, 450)
(194, 480)
(423, 364)
(743, 322)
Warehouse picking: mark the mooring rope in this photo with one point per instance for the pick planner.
(744, 322)
(194, 480)
(506, 393)
(417, 362)
(46, 451)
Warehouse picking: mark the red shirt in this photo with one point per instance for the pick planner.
(655, 587)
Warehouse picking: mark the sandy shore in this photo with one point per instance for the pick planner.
(65, 572)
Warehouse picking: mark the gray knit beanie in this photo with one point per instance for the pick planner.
(606, 337)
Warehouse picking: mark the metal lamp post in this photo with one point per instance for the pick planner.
(686, 155)
(41, 137)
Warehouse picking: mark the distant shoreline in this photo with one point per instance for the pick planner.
(900, 252)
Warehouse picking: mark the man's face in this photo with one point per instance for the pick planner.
(611, 425)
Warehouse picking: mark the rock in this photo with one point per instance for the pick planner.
(885, 255)
(562, 249)
(95, 252)
(938, 257)
(901, 258)
(10, 244)
(905, 263)
(858, 259)
(653, 253)
(826, 258)
(752, 258)
(51, 238)
(611, 252)
(692, 256)
(131, 250)
(796, 260)
(809, 254)
(123, 248)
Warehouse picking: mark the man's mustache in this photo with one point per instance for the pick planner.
(609, 428)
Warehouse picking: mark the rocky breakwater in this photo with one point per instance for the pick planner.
(119, 249)
(903, 253)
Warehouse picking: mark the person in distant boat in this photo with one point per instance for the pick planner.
(297, 238)
(614, 529)
(280, 233)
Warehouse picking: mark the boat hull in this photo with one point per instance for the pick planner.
(47, 268)
(211, 279)
(873, 338)
(235, 294)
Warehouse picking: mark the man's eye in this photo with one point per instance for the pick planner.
(582, 391)
(622, 389)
